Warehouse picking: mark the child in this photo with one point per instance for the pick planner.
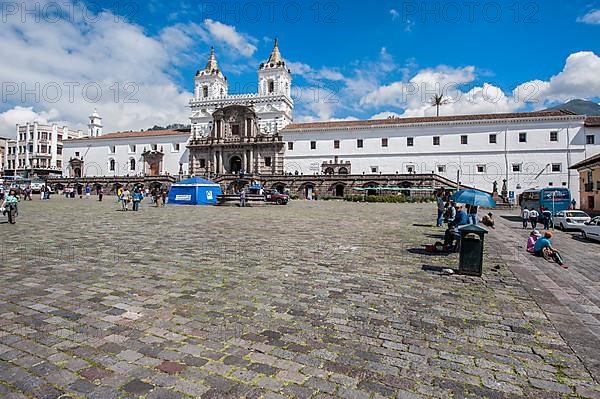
(533, 237)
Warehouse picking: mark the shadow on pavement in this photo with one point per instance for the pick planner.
(512, 218)
(423, 251)
(578, 237)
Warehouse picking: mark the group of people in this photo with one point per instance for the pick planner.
(533, 217)
(447, 210)
(541, 245)
(157, 196)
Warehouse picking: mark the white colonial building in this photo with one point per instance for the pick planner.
(148, 153)
(272, 102)
(37, 149)
(525, 149)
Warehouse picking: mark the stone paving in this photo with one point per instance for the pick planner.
(312, 300)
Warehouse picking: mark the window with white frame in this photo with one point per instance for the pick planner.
(374, 169)
(590, 139)
(441, 168)
(154, 147)
(410, 168)
(176, 147)
(516, 167)
(554, 135)
(112, 149)
(410, 141)
(523, 137)
(556, 167)
(464, 139)
(480, 168)
(132, 148)
(436, 140)
(493, 138)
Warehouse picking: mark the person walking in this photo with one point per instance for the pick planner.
(100, 193)
(164, 194)
(88, 191)
(10, 202)
(126, 195)
(242, 198)
(155, 196)
(27, 193)
(546, 218)
(440, 209)
(525, 217)
(137, 198)
(533, 218)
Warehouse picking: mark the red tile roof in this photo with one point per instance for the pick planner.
(427, 119)
(126, 135)
(592, 121)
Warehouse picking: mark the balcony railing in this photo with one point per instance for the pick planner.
(588, 187)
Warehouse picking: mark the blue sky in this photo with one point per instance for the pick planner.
(363, 59)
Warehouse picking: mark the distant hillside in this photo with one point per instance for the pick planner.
(581, 107)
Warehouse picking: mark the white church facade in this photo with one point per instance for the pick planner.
(272, 102)
(527, 150)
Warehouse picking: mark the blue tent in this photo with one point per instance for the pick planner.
(194, 191)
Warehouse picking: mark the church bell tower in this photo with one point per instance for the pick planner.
(274, 78)
(210, 82)
(95, 125)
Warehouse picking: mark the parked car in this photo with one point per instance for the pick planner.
(276, 197)
(571, 220)
(591, 229)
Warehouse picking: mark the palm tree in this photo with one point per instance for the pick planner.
(438, 100)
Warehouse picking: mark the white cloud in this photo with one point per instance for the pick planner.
(385, 115)
(231, 37)
(395, 14)
(578, 79)
(134, 71)
(592, 18)
(18, 115)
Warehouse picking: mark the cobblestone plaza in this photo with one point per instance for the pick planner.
(313, 300)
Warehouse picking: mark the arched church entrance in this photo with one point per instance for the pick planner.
(339, 190)
(235, 164)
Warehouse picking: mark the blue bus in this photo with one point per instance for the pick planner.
(555, 199)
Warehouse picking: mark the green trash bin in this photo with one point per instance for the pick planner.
(471, 250)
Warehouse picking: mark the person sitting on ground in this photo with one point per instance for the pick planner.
(533, 237)
(543, 246)
(488, 220)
